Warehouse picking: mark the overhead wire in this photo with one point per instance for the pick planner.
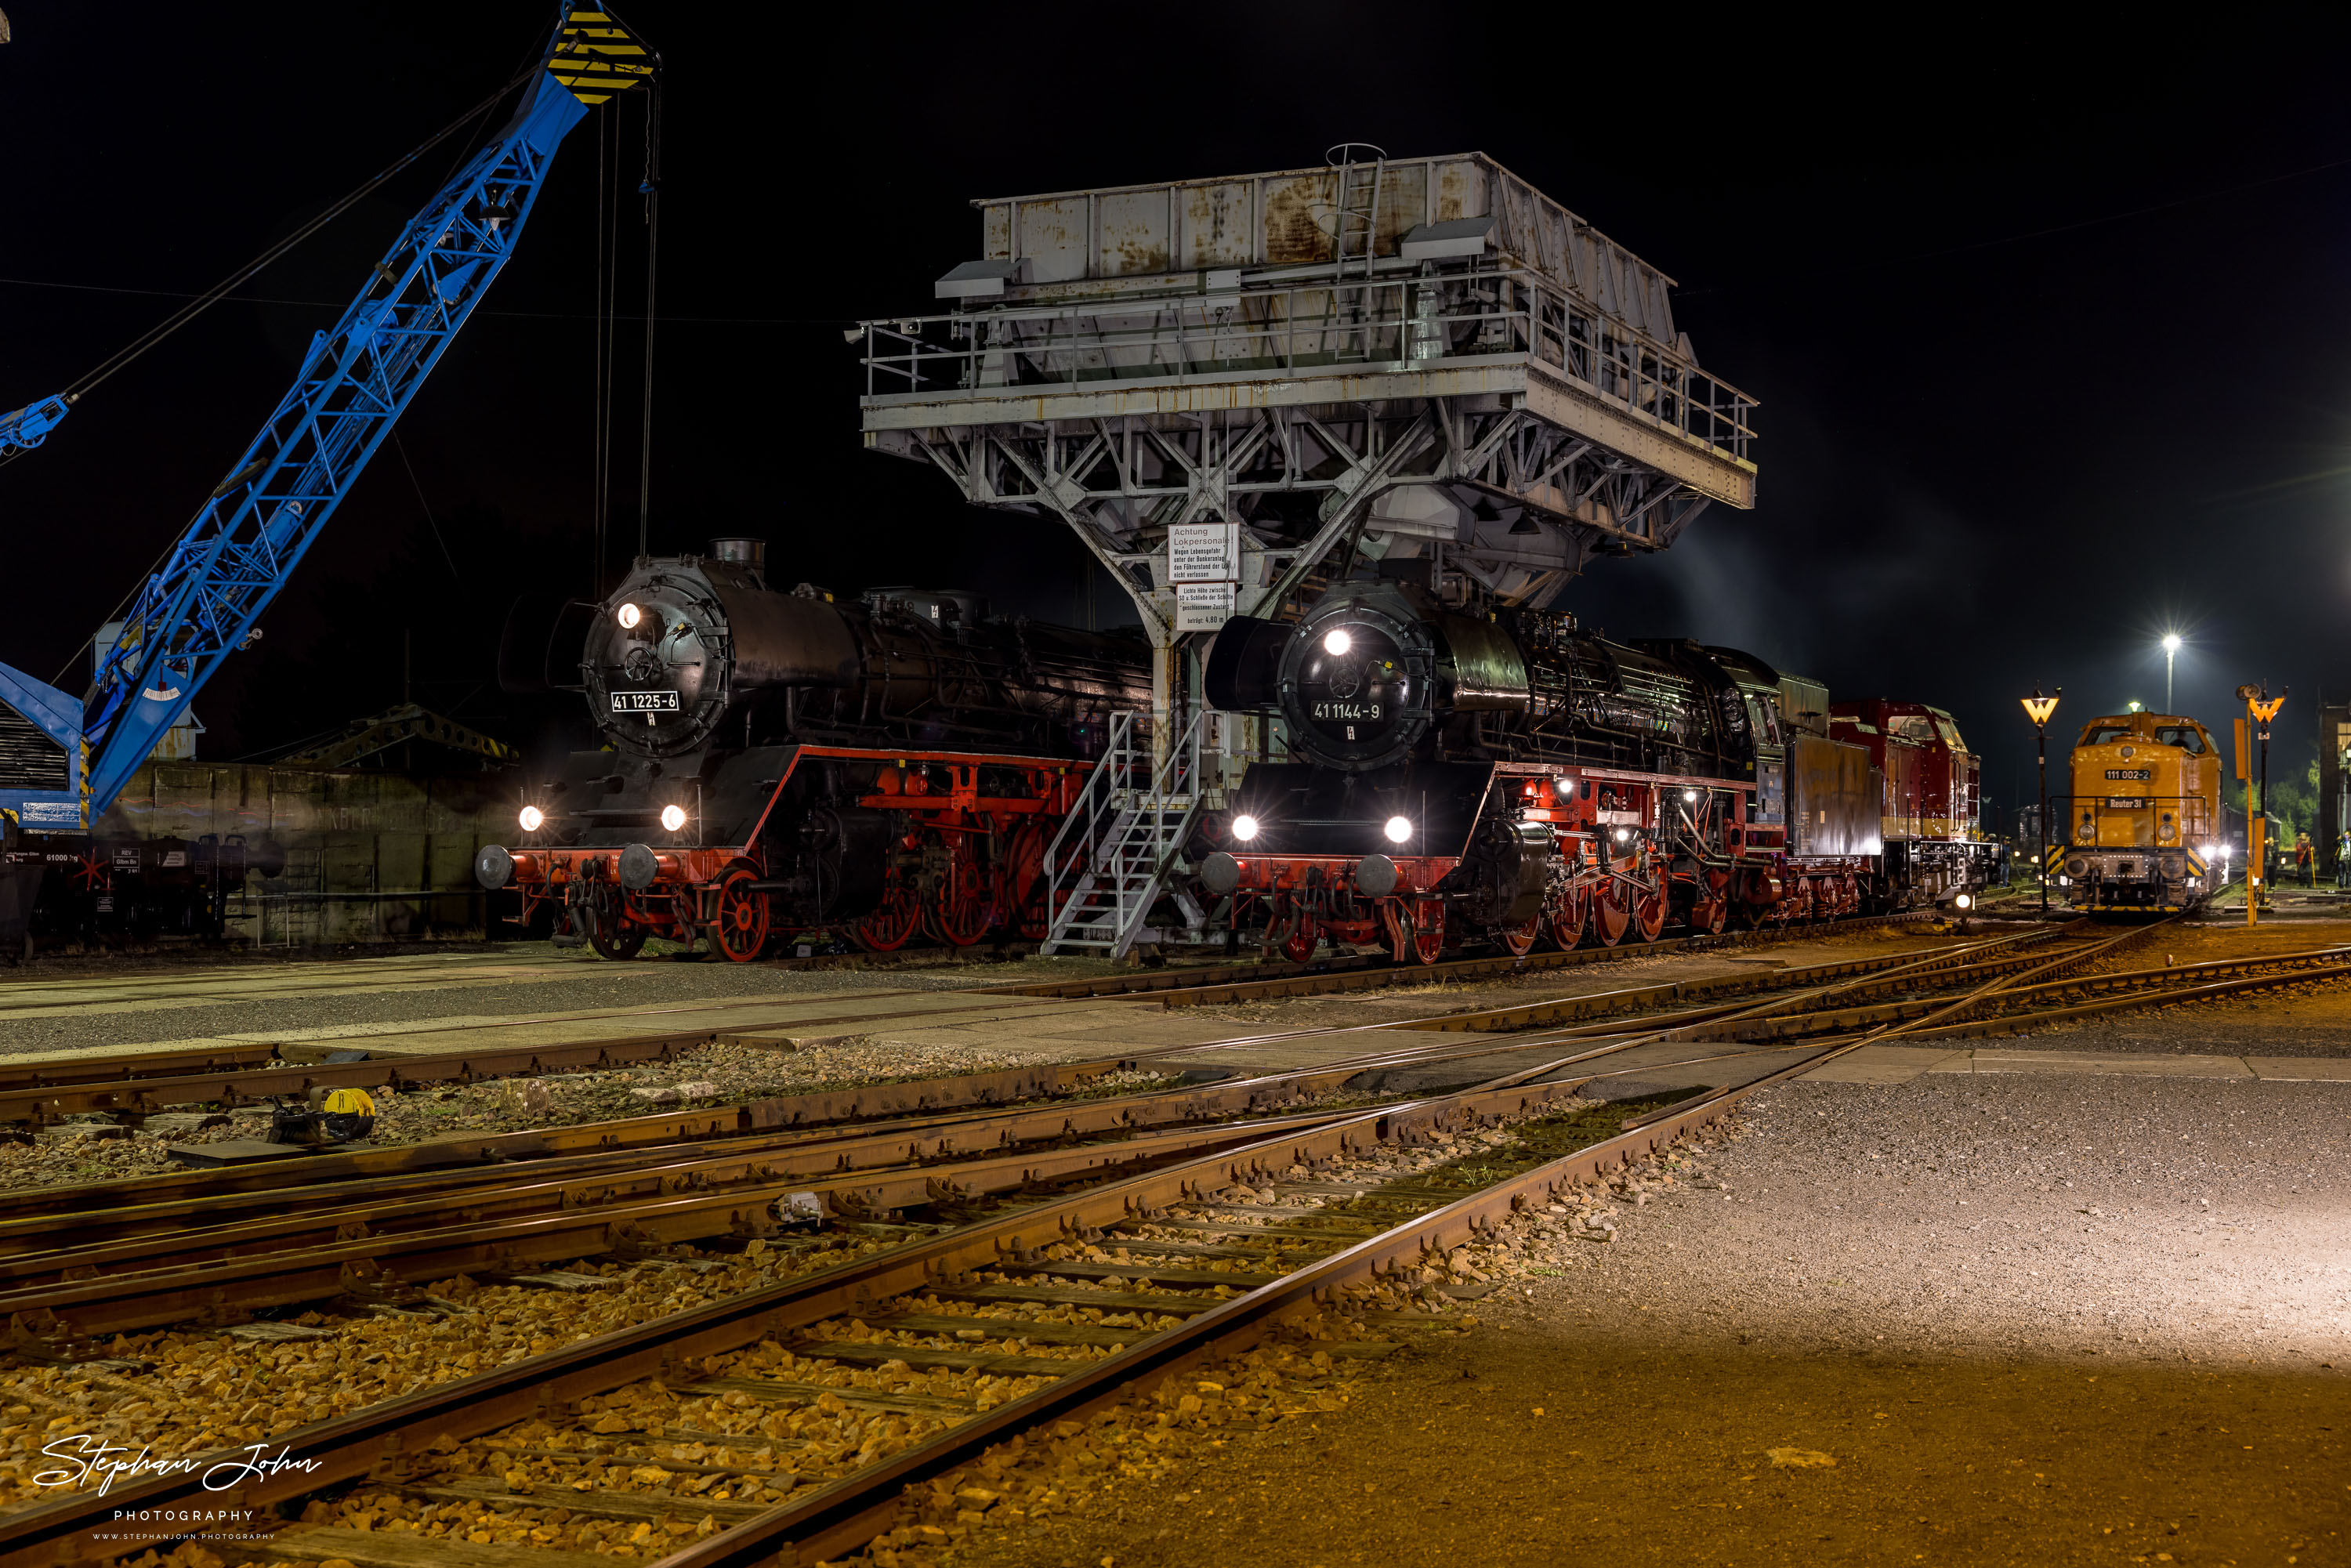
(204, 302)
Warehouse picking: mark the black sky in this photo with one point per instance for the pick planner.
(2049, 327)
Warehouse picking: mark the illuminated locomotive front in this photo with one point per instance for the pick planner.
(1508, 777)
(777, 763)
(2141, 830)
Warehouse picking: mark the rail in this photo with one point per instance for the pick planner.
(1307, 318)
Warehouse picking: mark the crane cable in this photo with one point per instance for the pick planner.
(214, 295)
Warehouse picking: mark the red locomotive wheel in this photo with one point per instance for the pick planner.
(1649, 915)
(1427, 932)
(1611, 919)
(890, 925)
(1299, 937)
(1566, 914)
(1026, 888)
(959, 909)
(1517, 941)
(740, 932)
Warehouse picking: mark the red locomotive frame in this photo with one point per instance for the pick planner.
(963, 862)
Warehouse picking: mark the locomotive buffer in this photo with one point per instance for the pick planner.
(1380, 360)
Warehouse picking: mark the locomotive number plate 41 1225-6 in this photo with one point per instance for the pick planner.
(644, 702)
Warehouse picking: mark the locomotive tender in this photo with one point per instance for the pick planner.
(779, 762)
(1505, 774)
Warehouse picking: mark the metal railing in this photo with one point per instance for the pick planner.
(1109, 863)
(1313, 318)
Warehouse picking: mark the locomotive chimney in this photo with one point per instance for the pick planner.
(752, 553)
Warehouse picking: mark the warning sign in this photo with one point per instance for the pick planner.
(1204, 553)
(1202, 606)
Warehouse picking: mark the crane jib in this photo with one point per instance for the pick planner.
(360, 376)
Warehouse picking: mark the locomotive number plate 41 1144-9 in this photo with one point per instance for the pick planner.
(644, 702)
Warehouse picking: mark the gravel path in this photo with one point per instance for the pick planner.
(2025, 1320)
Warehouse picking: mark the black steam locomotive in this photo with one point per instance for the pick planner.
(790, 762)
(1509, 776)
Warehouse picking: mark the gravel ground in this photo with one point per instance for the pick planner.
(2029, 1320)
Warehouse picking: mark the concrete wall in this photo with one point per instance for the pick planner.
(362, 850)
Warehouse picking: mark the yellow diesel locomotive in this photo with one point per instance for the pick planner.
(2141, 830)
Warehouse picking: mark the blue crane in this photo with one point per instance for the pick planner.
(356, 380)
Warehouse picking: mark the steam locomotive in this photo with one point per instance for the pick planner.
(785, 762)
(1507, 776)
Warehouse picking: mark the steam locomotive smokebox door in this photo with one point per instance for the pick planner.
(1832, 798)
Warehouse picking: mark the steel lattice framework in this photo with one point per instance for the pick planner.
(1420, 358)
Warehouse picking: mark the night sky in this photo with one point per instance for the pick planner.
(2049, 332)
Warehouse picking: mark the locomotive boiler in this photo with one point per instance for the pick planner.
(790, 762)
(1508, 775)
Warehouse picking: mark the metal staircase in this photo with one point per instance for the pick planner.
(1111, 862)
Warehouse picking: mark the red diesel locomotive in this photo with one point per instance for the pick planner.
(1507, 776)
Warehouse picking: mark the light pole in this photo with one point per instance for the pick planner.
(2170, 650)
(2038, 708)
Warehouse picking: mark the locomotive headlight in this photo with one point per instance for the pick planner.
(531, 819)
(1337, 641)
(673, 818)
(1399, 828)
(1964, 901)
(1690, 796)
(1623, 834)
(628, 615)
(1245, 828)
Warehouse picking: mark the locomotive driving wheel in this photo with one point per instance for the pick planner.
(1565, 915)
(892, 921)
(1649, 910)
(958, 908)
(1517, 941)
(740, 930)
(1028, 890)
(1612, 917)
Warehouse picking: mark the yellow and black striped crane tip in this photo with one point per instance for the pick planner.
(595, 57)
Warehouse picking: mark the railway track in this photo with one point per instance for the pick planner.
(160, 1249)
(136, 1084)
(1053, 1301)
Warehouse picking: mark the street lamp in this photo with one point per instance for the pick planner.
(2038, 708)
(2170, 650)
